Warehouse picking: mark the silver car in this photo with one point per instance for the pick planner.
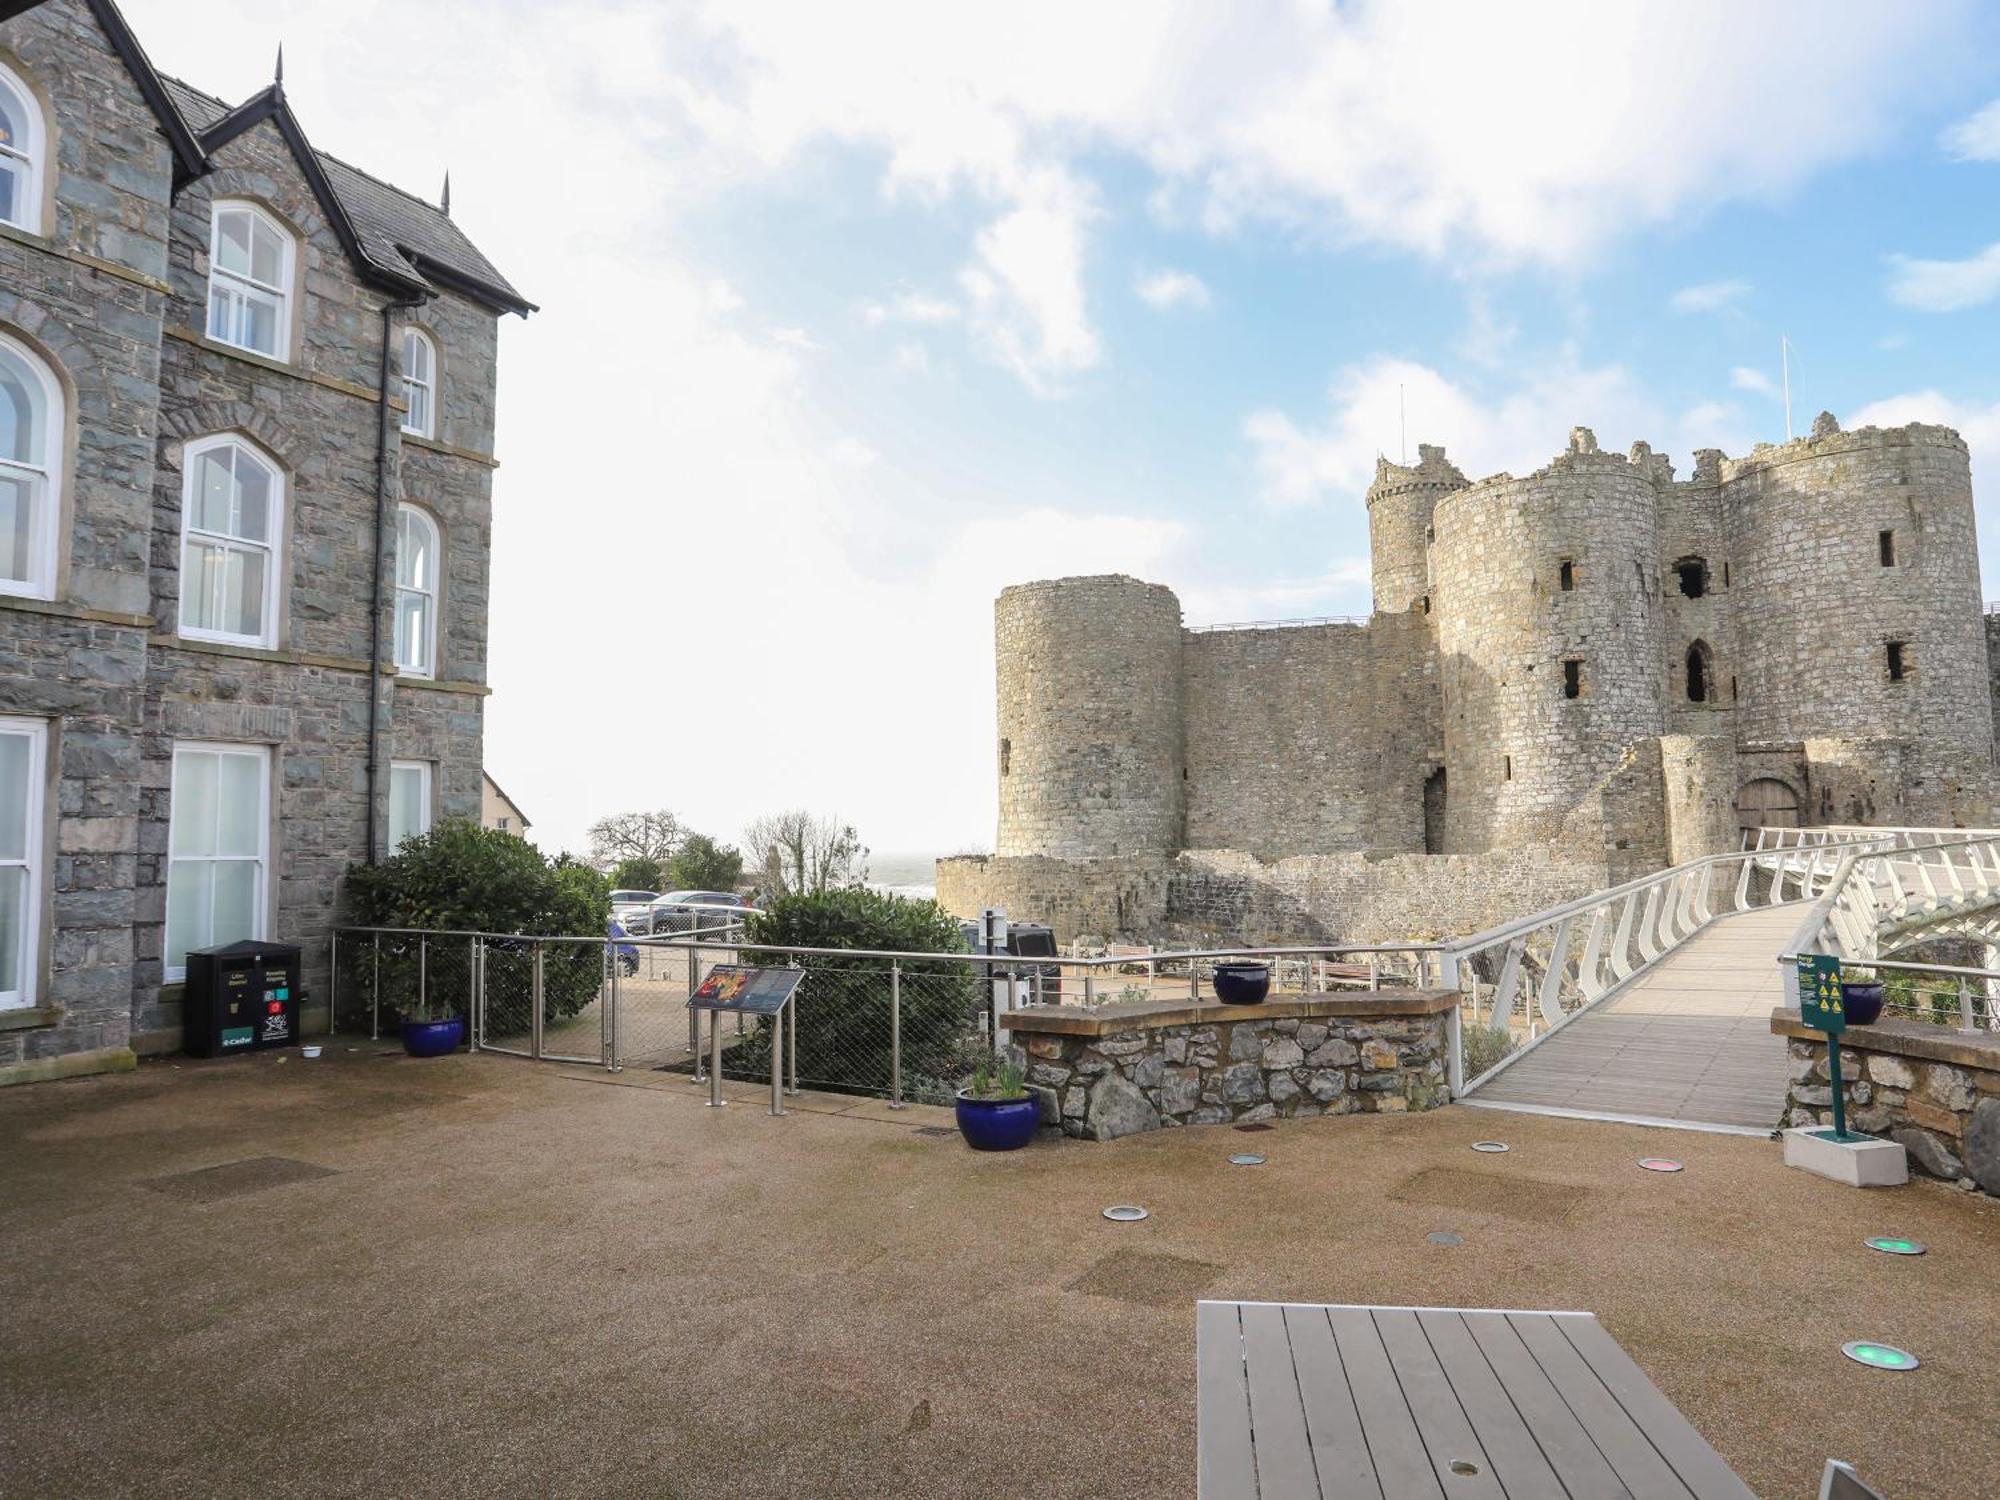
(693, 911)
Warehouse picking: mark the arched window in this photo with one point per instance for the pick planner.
(22, 149)
(31, 446)
(1700, 673)
(416, 592)
(419, 383)
(232, 515)
(250, 280)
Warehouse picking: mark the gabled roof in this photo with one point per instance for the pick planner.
(397, 238)
(412, 244)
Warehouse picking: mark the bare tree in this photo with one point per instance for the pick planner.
(798, 852)
(636, 835)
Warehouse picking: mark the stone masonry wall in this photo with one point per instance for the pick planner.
(1310, 740)
(1934, 1090)
(85, 295)
(1239, 1067)
(1218, 895)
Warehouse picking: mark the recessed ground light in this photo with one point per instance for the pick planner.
(1489, 1145)
(1879, 1356)
(1445, 1237)
(1125, 1213)
(1891, 1245)
(1246, 1159)
(1659, 1164)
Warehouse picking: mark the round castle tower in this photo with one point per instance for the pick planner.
(1090, 717)
(1548, 619)
(1400, 502)
(1856, 571)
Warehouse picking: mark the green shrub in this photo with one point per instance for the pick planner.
(460, 877)
(1484, 1047)
(843, 1003)
(638, 872)
(701, 864)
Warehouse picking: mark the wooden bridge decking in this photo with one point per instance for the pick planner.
(1687, 1043)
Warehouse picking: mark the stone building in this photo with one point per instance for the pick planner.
(246, 436)
(499, 811)
(1568, 679)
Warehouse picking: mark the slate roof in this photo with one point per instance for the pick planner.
(397, 230)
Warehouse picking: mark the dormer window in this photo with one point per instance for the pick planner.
(21, 152)
(250, 281)
(419, 383)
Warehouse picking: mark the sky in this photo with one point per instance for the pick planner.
(854, 314)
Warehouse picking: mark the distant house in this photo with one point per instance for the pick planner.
(498, 810)
(246, 447)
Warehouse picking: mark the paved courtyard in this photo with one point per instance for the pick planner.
(482, 1277)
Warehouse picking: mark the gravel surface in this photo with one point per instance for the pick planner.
(512, 1279)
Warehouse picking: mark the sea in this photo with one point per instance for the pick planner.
(913, 875)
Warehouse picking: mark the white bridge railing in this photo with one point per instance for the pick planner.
(1880, 899)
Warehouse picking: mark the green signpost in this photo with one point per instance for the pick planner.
(1820, 1008)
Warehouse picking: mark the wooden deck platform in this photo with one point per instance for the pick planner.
(1299, 1400)
(1687, 1043)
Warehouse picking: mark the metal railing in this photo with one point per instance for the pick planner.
(1300, 624)
(1883, 901)
(903, 1025)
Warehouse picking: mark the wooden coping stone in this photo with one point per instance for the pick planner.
(1149, 1015)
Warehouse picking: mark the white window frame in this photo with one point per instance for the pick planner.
(237, 284)
(274, 580)
(43, 526)
(427, 808)
(20, 991)
(261, 925)
(30, 155)
(419, 658)
(427, 428)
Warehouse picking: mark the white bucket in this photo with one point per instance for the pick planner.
(310, 1051)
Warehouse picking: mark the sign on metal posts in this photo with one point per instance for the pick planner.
(1820, 1008)
(747, 991)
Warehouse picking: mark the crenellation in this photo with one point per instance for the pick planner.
(1596, 665)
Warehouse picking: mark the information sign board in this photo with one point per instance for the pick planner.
(748, 990)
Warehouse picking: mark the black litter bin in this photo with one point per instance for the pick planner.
(240, 997)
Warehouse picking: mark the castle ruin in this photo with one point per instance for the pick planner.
(1569, 679)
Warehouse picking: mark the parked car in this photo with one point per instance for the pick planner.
(690, 911)
(625, 905)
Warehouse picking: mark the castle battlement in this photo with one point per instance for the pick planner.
(1594, 658)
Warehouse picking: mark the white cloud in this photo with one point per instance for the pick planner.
(911, 307)
(1744, 378)
(1025, 285)
(1518, 429)
(796, 338)
(1979, 425)
(1168, 289)
(1945, 285)
(1975, 138)
(1344, 587)
(912, 357)
(1709, 296)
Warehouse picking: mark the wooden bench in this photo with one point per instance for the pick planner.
(1306, 1400)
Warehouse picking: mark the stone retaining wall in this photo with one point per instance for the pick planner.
(1146, 1067)
(1931, 1088)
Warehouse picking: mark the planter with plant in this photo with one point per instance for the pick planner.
(431, 1027)
(1860, 996)
(995, 1110)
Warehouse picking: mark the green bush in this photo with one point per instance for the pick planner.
(460, 877)
(1484, 1047)
(638, 872)
(701, 864)
(843, 1003)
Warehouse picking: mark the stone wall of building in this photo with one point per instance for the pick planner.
(85, 296)
(1820, 608)
(1090, 718)
(1539, 581)
(1147, 1067)
(112, 296)
(1931, 1088)
(1279, 761)
(1699, 776)
(1400, 503)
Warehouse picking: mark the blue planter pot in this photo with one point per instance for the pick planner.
(433, 1038)
(997, 1124)
(1861, 1001)
(1242, 983)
